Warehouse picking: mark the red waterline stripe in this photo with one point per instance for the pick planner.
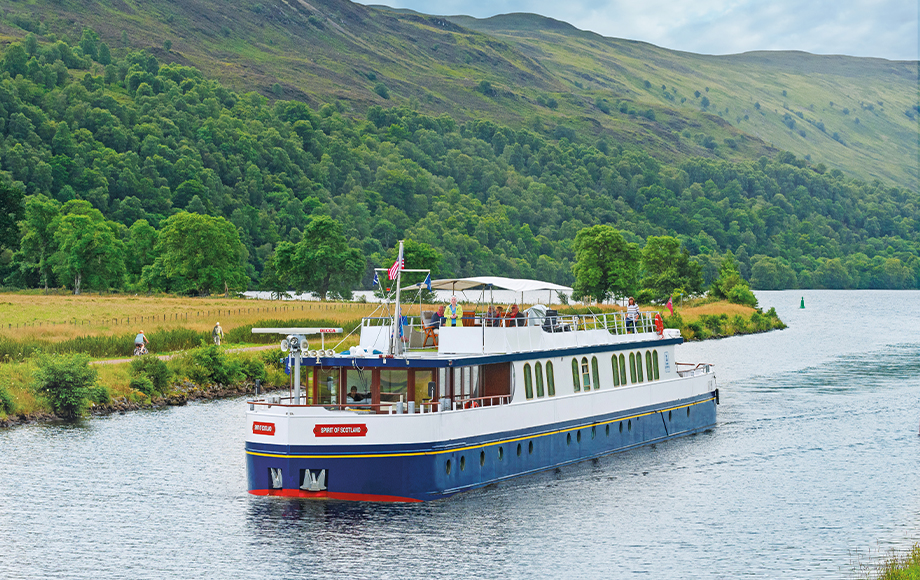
(331, 495)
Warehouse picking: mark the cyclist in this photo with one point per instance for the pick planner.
(139, 343)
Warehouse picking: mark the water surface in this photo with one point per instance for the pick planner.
(815, 455)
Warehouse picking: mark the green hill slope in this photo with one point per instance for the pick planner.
(526, 71)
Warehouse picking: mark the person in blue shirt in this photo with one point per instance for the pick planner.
(140, 341)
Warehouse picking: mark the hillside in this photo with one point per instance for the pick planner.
(525, 71)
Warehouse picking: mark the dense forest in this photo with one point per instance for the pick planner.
(123, 151)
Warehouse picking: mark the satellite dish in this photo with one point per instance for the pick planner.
(285, 345)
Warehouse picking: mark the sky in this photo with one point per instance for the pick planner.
(876, 28)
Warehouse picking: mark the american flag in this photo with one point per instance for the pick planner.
(398, 265)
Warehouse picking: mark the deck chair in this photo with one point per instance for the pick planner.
(431, 331)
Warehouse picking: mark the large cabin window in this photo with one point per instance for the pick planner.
(585, 374)
(576, 381)
(538, 368)
(358, 387)
(655, 364)
(393, 384)
(632, 368)
(622, 369)
(648, 366)
(528, 384)
(639, 367)
(550, 379)
(615, 364)
(422, 378)
(595, 374)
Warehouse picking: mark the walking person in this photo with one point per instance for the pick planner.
(217, 334)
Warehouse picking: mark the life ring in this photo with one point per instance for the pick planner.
(470, 405)
(659, 326)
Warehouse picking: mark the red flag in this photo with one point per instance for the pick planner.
(398, 265)
(670, 306)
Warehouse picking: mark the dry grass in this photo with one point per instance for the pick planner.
(16, 379)
(55, 318)
(692, 313)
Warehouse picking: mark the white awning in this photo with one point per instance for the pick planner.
(496, 282)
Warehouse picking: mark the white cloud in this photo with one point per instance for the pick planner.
(879, 28)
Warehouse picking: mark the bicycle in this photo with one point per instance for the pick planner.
(140, 350)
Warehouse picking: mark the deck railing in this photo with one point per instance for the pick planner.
(389, 407)
(613, 322)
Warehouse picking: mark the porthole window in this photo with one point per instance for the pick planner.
(550, 380)
(639, 367)
(593, 432)
(530, 447)
(669, 415)
(575, 380)
(632, 368)
(648, 366)
(462, 462)
(447, 467)
(578, 435)
(519, 449)
(568, 438)
(688, 411)
(595, 374)
(538, 369)
(621, 426)
(608, 430)
(616, 370)
(622, 369)
(655, 364)
(528, 381)
(501, 453)
(482, 458)
(629, 425)
(585, 374)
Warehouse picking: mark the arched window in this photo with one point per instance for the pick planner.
(639, 367)
(538, 369)
(623, 369)
(576, 381)
(528, 381)
(585, 374)
(648, 366)
(632, 369)
(614, 362)
(595, 374)
(655, 364)
(550, 380)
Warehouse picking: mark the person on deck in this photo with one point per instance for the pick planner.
(632, 314)
(453, 314)
(438, 317)
(490, 317)
(512, 316)
(354, 396)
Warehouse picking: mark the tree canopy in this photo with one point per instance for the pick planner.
(605, 264)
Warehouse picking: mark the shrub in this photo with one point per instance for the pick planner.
(143, 384)
(741, 294)
(7, 405)
(253, 369)
(209, 364)
(154, 369)
(100, 395)
(65, 380)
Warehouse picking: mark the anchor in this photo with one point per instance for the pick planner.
(314, 483)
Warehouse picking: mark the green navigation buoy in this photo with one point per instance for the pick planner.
(803, 303)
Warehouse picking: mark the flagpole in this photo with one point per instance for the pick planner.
(398, 313)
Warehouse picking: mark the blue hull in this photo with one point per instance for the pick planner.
(429, 471)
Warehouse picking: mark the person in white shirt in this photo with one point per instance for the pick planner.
(632, 314)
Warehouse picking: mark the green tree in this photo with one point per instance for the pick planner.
(37, 244)
(12, 210)
(89, 251)
(667, 267)
(730, 285)
(605, 264)
(200, 254)
(105, 55)
(140, 248)
(322, 262)
(15, 60)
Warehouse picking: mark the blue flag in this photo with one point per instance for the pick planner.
(428, 281)
(376, 280)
